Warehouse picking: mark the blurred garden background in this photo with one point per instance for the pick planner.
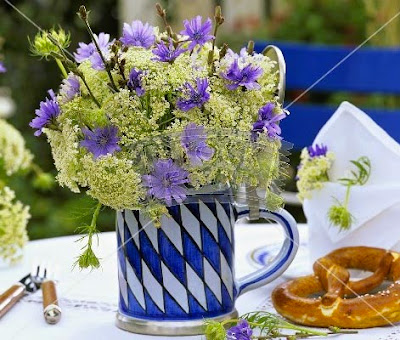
(339, 22)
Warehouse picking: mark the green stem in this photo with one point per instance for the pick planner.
(36, 169)
(114, 87)
(90, 91)
(347, 197)
(62, 68)
(93, 224)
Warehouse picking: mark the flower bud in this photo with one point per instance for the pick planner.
(83, 13)
(47, 43)
(44, 181)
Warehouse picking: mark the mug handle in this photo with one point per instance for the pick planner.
(282, 260)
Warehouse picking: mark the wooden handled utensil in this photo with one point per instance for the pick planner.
(51, 309)
(12, 295)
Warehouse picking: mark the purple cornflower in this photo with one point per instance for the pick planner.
(240, 57)
(46, 115)
(97, 61)
(166, 181)
(89, 51)
(197, 32)
(166, 53)
(246, 77)
(138, 34)
(193, 140)
(70, 88)
(267, 122)
(101, 141)
(135, 82)
(2, 68)
(317, 150)
(241, 331)
(196, 97)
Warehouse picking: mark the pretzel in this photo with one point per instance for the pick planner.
(345, 303)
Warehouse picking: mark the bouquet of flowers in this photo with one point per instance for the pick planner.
(142, 121)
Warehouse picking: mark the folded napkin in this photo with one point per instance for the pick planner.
(375, 206)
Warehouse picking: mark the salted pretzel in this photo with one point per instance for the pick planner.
(344, 303)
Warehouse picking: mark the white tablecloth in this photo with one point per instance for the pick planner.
(89, 299)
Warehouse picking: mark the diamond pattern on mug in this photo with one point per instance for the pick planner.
(224, 219)
(208, 219)
(191, 224)
(173, 231)
(212, 280)
(156, 291)
(226, 275)
(196, 286)
(135, 285)
(183, 268)
(133, 226)
(123, 286)
(150, 230)
(175, 288)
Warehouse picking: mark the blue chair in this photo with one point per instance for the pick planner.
(369, 70)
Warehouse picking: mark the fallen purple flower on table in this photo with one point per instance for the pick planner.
(2, 68)
(70, 88)
(166, 53)
(193, 140)
(196, 97)
(317, 150)
(135, 82)
(267, 122)
(138, 34)
(197, 32)
(166, 181)
(241, 331)
(246, 77)
(46, 115)
(89, 51)
(101, 141)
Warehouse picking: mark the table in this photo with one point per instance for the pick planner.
(89, 299)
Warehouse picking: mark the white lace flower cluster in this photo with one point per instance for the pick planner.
(313, 172)
(14, 217)
(14, 156)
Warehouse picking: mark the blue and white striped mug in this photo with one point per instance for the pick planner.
(172, 278)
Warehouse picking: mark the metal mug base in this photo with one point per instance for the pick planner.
(168, 328)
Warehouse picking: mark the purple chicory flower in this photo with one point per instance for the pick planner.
(241, 331)
(166, 53)
(267, 122)
(46, 115)
(138, 34)
(197, 32)
(167, 181)
(135, 82)
(196, 97)
(89, 51)
(101, 141)
(241, 57)
(97, 61)
(247, 76)
(193, 140)
(317, 150)
(70, 88)
(2, 68)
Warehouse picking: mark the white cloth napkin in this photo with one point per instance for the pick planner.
(375, 206)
